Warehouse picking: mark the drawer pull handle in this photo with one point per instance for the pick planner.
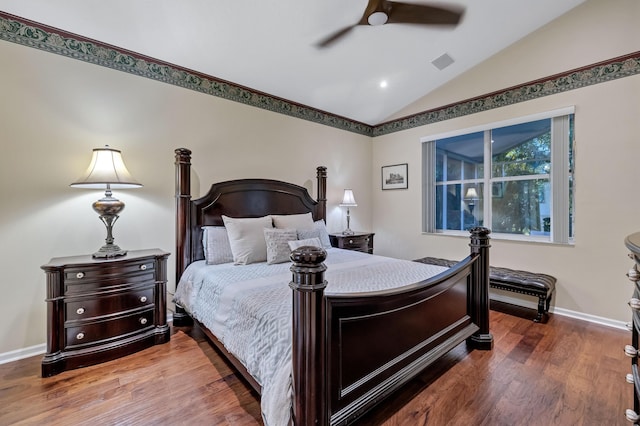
(634, 303)
(143, 321)
(630, 351)
(350, 241)
(629, 378)
(143, 267)
(80, 311)
(80, 275)
(633, 274)
(631, 415)
(80, 336)
(143, 299)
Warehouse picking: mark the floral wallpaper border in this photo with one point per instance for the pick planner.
(624, 66)
(32, 34)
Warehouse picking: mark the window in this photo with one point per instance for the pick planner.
(516, 178)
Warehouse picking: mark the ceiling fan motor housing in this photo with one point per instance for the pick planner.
(377, 18)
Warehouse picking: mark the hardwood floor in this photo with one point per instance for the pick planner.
(565, 372)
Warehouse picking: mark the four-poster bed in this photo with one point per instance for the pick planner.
(349, 350)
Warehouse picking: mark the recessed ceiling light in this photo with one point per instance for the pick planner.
(383, 84)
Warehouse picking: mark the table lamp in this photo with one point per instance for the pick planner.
(107, 170)
(348, 200)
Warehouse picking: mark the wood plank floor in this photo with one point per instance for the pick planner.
(565, 372)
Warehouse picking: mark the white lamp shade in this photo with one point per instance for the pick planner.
(348, 200)
(106, 167)
(471, 194)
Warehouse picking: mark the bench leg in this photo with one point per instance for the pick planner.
(541, 311)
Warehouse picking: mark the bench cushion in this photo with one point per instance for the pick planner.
(523, 281)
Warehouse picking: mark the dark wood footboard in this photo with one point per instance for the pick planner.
(349, 351)
(375, 342)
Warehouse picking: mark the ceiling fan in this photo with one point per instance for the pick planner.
(380, 12)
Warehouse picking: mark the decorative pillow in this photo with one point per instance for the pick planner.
(292, 221)
(246, 238)
(319, 230)
(313, 242)
(217, 249)
(278, 250)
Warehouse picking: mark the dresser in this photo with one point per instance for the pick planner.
(359, 241)
(632, 350)
(102, 309)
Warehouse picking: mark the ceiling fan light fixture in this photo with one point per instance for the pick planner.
(377, 18)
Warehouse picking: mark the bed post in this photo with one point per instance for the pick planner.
(322, 191)
(482, 339)
(183, 224)
(307, 347)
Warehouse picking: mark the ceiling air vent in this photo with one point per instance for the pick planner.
(442, 62)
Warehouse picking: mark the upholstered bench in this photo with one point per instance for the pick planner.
(533, 284)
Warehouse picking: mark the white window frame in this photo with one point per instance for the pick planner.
(559, 177)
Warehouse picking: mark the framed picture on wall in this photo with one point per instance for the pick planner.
(395, 176)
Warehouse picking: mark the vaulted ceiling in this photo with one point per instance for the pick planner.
(271, 46)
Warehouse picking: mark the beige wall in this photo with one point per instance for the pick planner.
(54, 111)
(590, 274)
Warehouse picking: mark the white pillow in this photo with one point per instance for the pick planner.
(217, 249)
(292, 221)
(246, 238)
(314, 242)
(278, 250)
(319, 230)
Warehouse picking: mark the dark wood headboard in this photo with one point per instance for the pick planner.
(234, 198)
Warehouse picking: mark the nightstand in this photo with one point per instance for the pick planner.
(102, 309)
(360, 241)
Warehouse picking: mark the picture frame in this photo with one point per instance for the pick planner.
(395, 176)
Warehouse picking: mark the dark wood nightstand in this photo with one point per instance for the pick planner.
(99, 310)
(360, 241)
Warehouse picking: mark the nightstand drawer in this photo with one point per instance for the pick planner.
(360, 241)
(91, 332)
(107, 271)
(80, 309)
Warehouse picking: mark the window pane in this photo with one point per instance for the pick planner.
(470, 171)
(439, 166)
(459, 153)
(455, 211)
(523, 149)
(521, 207)
(454, 171)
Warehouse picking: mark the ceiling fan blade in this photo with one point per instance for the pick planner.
(335, 36)
(405, 13)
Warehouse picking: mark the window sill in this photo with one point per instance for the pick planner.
(505, 237)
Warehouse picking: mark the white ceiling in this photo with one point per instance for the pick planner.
(269, 46)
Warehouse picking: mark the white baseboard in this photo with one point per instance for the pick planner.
(40, 349)
(560, 311)
(22, 353)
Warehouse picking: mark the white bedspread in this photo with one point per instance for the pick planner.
(249, 309)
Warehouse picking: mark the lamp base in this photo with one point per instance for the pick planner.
(108, 251)
(348, 232)
(108, 208)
